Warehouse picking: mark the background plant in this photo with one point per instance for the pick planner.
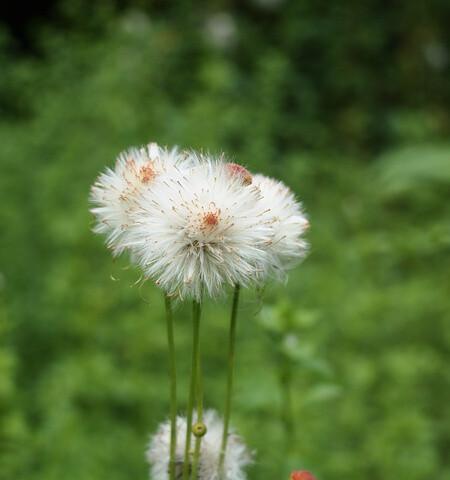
(348, 104)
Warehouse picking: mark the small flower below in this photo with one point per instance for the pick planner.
(236, 459)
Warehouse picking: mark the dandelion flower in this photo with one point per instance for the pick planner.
(285, 215)
(201, 230)
(116, 192)
(237, 456)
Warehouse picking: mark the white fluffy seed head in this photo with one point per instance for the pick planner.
(195, 224)
(288, 224)
(237, 456)
(201, 230)
(116, 192)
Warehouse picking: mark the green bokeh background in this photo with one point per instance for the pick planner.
(347, 102)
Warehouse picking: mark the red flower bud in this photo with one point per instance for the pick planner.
(302, 475)
(240, 171)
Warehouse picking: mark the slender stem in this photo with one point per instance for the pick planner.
(199, 389)
(198, 439)
(173, 386)
(229, 391)
(196, 311)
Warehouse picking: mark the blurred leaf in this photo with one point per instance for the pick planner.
(271, 320)
(321, 393)
(408, 170)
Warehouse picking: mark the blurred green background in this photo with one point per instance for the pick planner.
(345, 370)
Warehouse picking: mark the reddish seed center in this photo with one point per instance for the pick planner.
(302, 475)
(146, 173)
(210, 219)
(239, 170)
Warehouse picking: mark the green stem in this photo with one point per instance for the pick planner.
(194, 367)
(173, 386)
(229, 391)
(198, 439)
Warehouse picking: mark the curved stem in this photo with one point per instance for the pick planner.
(229, 391)
(173, 386)
(196, 312)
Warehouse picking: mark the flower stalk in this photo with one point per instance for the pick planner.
(173, 385)
(196, 314)
(199, 427)
(230, 376)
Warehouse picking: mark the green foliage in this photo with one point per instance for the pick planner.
(331, 99)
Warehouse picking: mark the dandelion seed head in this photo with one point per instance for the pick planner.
(116, 192)
(285, 215)
(196, 224)
(200, 231)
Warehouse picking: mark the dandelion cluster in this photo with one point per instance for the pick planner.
(194, 223)
(236, 459)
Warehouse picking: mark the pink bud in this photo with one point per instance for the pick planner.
(302, 475)
(240, 171)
